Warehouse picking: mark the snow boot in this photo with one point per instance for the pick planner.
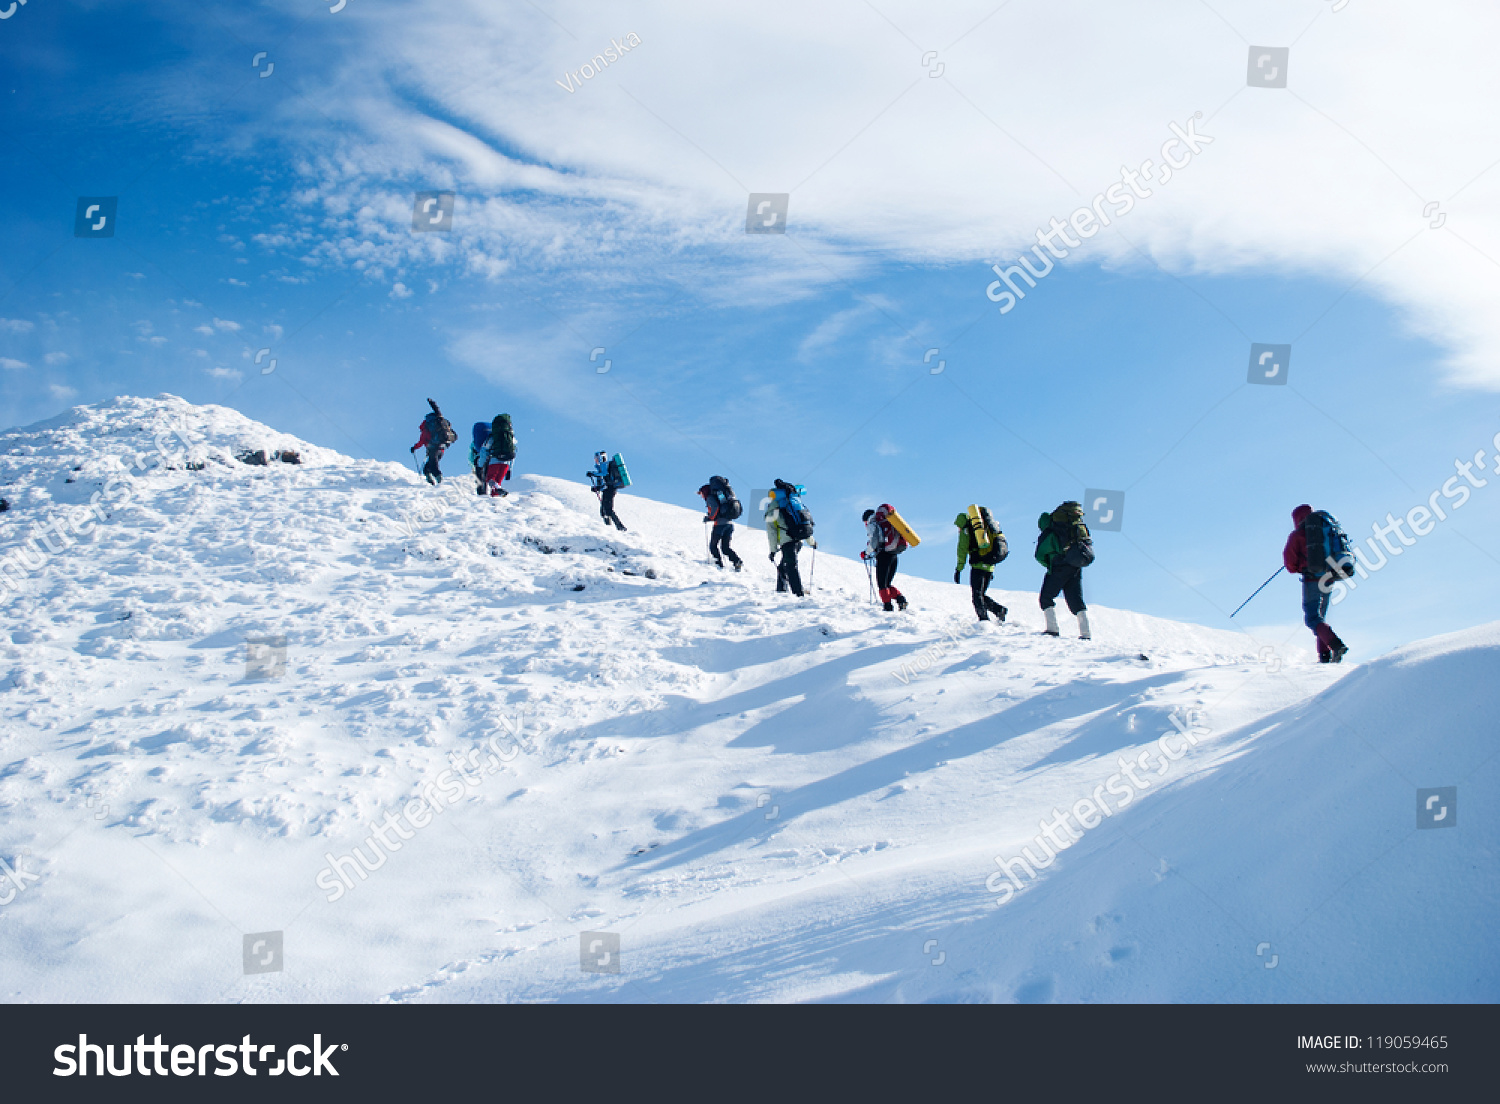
(620, 525)
(738, 564)
(1337, 652)
(900, 601)
(888, 608)
(1325, 656)
(1052, 629)
(1083, 626)
(996, 608)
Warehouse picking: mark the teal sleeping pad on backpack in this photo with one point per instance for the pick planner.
(619, 476)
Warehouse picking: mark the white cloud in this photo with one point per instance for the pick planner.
(13, 364)
(273, 331)
(220, 372)
(1037, 109)
(842, 324)
(400, 291)
(61, 391)
(226, 325)
(204, 329)
(200, 352)
(16, 325)
(57, 358)
(887, 447)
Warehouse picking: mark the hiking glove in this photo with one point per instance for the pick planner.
(957, 571)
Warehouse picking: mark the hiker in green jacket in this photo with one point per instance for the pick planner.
(1064, 547)
(981, 574)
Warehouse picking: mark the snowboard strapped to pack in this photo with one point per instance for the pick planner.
(719, 491)
(1327, 547)
(796, 521)
(985, 537)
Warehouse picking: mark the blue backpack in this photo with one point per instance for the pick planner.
(481, 437)
(795, 517)
(1328, 546)
(616, 474)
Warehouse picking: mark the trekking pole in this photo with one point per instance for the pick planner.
(1258, 589)
(870, 577)
(811, 567)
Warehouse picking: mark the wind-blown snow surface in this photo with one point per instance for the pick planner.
(752, 792)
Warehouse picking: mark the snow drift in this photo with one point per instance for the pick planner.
(431, 742)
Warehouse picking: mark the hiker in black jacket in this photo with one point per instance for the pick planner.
(723, 508)
(1064, 547)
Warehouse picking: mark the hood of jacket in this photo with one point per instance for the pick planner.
(1301, 514)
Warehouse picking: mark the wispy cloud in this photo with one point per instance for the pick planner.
(885, 162)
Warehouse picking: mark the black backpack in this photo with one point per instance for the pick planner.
(439, 432)
(1328, 548)
(998, 548)
(1073, 534)
(722, 493)
(502, 439)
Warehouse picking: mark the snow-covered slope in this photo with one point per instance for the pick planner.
(762, 798)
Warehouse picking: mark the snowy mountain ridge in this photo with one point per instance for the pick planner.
(228, 681)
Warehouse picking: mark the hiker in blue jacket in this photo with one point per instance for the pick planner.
(605, 485)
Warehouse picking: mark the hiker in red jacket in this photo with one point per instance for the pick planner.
(436, 436)
(1315, 597)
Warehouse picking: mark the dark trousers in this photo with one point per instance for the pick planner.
(430, 469)
(979, 582)
(718, 544)
(885, 572)
(787, 575)
(1315, 610)
(1067, 580)
(607, 506)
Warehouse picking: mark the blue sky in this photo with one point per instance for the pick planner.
(274, 212)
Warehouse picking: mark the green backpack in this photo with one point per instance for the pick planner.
(502, 439)
(1064, 534)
